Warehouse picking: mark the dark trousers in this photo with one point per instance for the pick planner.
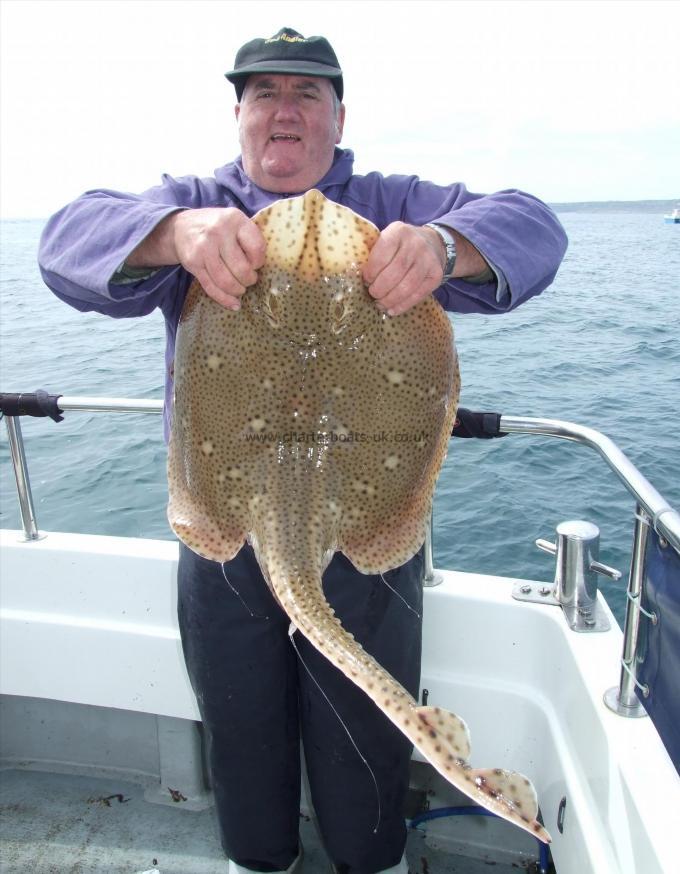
(255, 697)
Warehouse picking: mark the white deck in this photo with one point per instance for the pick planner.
(91, 620)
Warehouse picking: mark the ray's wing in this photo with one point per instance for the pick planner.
(209, 468)
(404, 407)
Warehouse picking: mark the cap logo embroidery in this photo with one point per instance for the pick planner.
(285, 37)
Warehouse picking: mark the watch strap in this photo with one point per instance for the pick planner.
(450, 245)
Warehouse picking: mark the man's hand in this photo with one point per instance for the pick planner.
(404, 266)
(222, 248)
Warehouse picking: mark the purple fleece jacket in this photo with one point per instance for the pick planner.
(85, 243)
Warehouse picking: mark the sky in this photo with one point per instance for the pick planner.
(569, 100)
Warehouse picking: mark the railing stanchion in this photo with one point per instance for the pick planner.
(622, 699)
(16, 446)
(431, 578)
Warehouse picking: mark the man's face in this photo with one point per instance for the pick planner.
(288, 129)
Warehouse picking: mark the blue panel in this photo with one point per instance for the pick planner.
(659, 665)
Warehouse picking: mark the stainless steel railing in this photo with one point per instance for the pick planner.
(18, 452)
(665, 520)
(652, 510)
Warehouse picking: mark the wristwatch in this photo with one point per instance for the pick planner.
(450, 243)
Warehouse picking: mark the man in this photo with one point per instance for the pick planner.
(125, 255)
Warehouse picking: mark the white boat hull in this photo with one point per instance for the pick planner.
(91, 620)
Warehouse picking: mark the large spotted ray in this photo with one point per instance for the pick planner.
(310, 422)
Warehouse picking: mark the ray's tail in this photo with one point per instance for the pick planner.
(441, 737)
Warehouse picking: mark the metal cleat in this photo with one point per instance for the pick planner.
(576, 570)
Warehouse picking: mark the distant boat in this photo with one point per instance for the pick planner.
(673, 218)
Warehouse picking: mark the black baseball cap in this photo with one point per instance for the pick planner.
(286, 52)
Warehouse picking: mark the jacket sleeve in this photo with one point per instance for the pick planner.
(519, 236)
(84, 244)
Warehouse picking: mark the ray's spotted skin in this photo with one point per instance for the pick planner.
(310, 422)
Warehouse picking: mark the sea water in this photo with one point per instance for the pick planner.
(601, 348)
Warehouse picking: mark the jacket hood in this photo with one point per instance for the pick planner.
(253, 198)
